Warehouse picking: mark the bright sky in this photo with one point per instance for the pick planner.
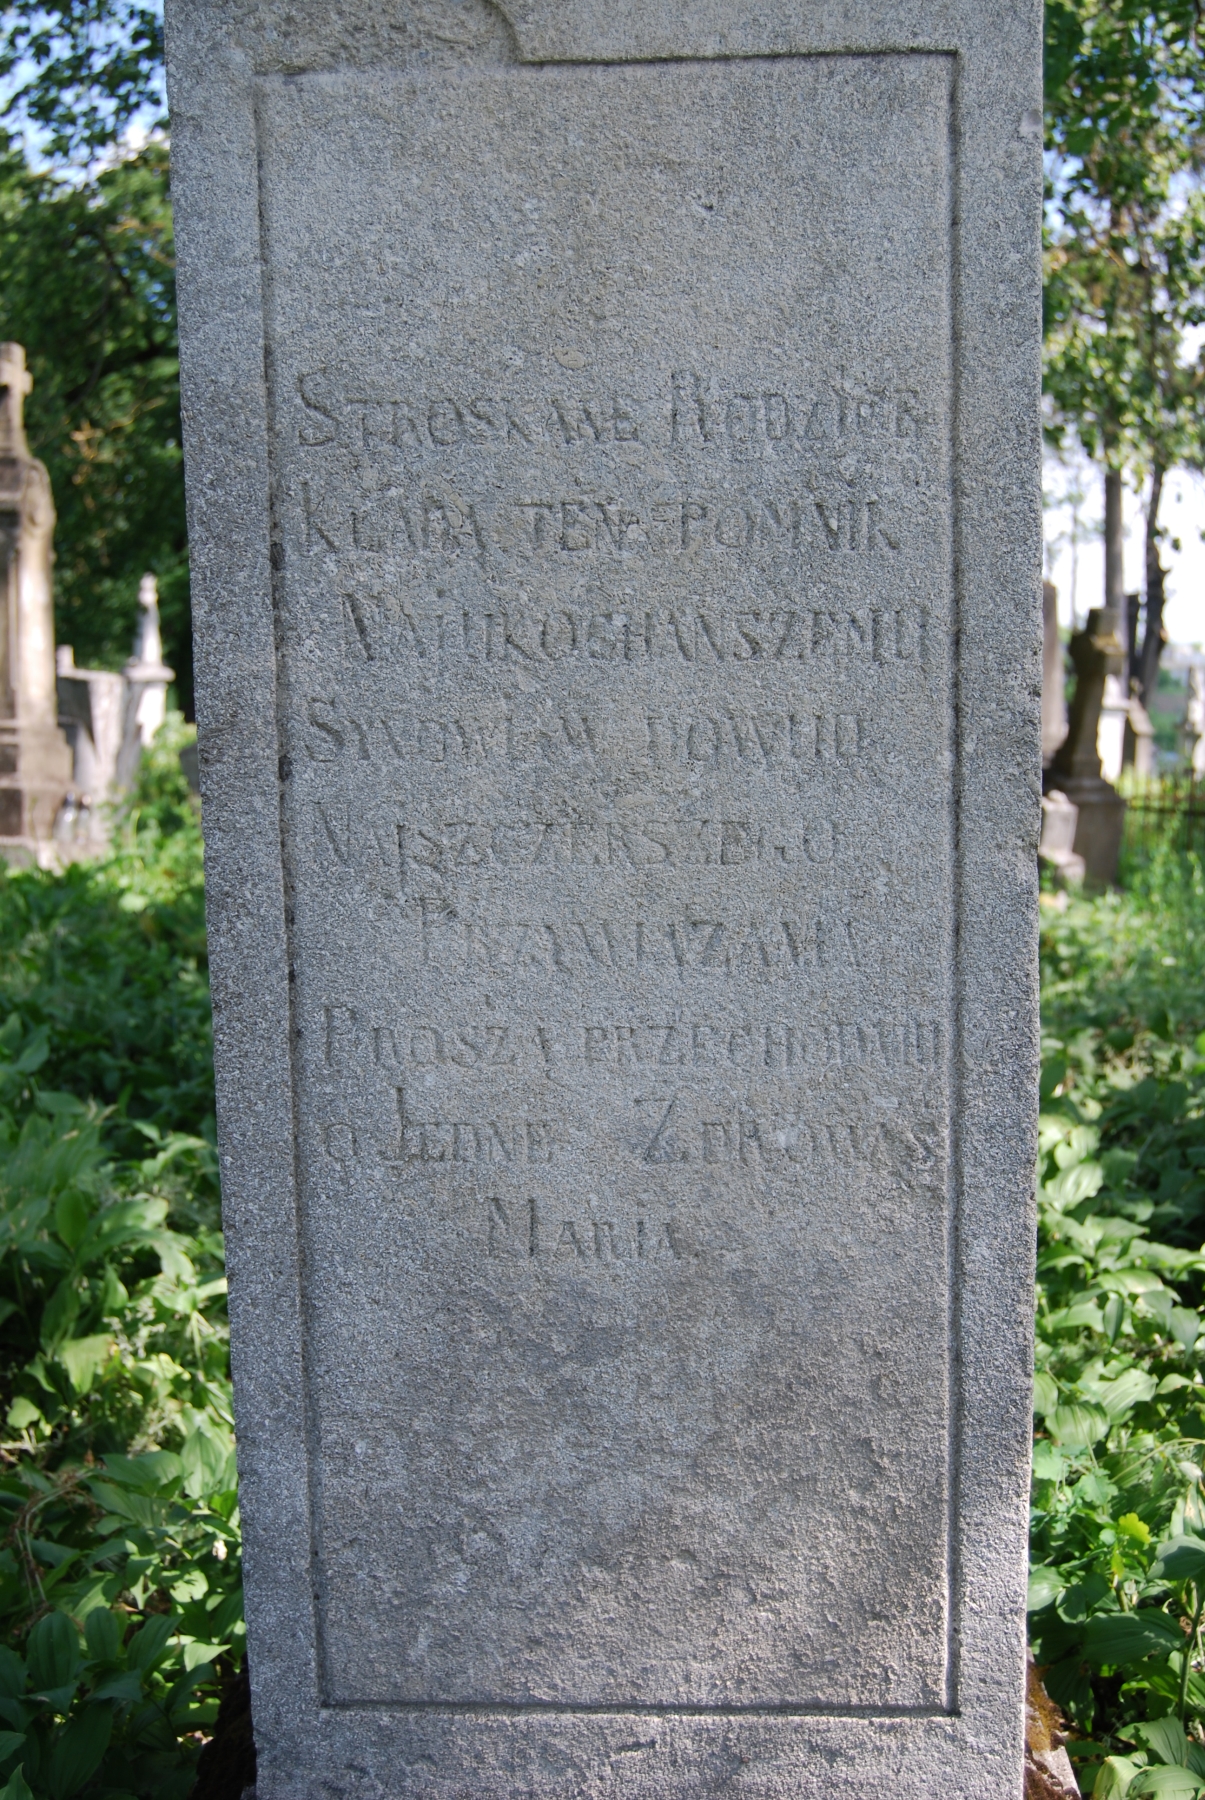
(1075, 559)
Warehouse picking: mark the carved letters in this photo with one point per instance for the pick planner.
(352, 1038)
(697, 411)
(385, 629)
(797, 737)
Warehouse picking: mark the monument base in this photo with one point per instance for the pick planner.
(1098, 827)
(35, 773)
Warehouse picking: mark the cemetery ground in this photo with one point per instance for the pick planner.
(119, 1544)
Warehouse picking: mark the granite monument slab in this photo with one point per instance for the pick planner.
(612, 443)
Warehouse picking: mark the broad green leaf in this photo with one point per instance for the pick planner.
(139, 1509)
(192, 1585)
(10, 1742)
(196, 1654)
(1074, 1318)
(102, 1636)
(1186, 1326)
(1048, 1464)
(148, 1646)
(23, 1413)
(54, 1654)
(1128, 1390)
(1113, 1778)
(208, 1465)
(1182, 1559)
(147, 1473)
(1160, 1306)
(1114, 1638)
(16, 1787)
(12, 1673)
(84, 1358)
(1075, 1427)
(1045, 1585)
(1045, 1393)
(1167, 1782)
(125, 1688)
(60, 1313)
(71, 1215)
(1084, 1597)
(77, 1749)
(1131, 1526)
(1165, 1738)
(1071, 1185)
(1081, 1141)
(1114, 1316)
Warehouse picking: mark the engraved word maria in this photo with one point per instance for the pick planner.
(575, 1237)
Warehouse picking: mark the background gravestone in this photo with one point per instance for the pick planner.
(613, 457)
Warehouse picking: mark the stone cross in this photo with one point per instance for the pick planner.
(615, 503)
(15, 383)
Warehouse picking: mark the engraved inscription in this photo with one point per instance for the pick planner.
(614, 602)
(385, 628)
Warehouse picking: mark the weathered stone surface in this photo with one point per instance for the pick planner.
(613, 478)
(35, 763)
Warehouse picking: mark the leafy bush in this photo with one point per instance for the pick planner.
(120, 1599)
(109, 958)
(1117, 1585)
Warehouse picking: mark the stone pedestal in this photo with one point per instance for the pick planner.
(35, 762)
(1075, 771)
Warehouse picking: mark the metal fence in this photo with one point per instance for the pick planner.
(1164, 810)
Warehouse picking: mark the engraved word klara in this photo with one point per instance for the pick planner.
(832, 519)
(380, 628)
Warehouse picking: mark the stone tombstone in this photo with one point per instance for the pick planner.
(1076, 769)
(35, 762)
(613, 450)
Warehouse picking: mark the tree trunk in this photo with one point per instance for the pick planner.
(1156, 574)
(1114, 548)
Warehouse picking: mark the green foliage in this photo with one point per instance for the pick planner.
(1125, 231)
(89, 289)
(120, 1596)
(107, 961)
(81, 70)
(1117, 1585)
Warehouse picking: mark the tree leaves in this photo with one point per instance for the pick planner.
(84, 69)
